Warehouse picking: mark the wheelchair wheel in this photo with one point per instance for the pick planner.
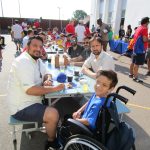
(81, 142)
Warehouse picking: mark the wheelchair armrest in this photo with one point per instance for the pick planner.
(79, 126)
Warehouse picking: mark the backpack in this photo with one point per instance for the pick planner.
(121, 138)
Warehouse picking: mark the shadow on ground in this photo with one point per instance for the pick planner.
(142, 138)
(124, 70)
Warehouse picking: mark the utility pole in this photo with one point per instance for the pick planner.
(19, 8)
(59, 18)
(2, 8)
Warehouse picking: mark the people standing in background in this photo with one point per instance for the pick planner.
(70, 27)
(93, 29)
(139, 50)
(128, 32)
(17, 34)
(68, 41)
(24, 27)
(103, 30)
(36, 24)
(110, 34)
(30, 33)
(134, 32)
(121, 32)
(80, 32)
(87, 32)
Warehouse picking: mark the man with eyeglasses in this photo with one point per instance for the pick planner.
(29, 81)
(79, 61)
(98, 60)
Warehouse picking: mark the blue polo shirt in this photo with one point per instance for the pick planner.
(93, 107)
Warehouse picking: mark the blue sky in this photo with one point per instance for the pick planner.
(47, 9)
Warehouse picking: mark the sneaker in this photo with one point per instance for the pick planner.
(130, 75)
(148, 73)
(137, 80)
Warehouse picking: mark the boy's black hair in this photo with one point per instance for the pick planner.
(34, 37)
(111, 75)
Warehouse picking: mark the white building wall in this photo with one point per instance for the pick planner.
(119, 6)
(135, 10)
(104, 7)
(94, 12)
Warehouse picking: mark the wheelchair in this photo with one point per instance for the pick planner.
(110, 130)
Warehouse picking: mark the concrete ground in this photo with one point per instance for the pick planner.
(139, 118)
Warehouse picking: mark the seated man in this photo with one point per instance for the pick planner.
(29, 81)
(88, 113)
(75, 50)
(79, 61)
(98, 60)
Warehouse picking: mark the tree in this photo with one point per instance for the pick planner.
(79, 14)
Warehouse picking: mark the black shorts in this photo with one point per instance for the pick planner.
(33, 113)
(138, 59)
(18, 41)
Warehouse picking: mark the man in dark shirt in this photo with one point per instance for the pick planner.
(75, 50)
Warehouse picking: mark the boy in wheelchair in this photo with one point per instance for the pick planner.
(88, 113)
(96, 124)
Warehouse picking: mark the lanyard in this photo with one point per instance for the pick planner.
(39, 69)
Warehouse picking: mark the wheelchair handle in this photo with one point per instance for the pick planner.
(126, 88)
(115, 95)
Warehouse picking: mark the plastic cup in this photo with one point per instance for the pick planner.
(62, 68)
(69, 78)
(85, 87)
(76, 73)
(49, 60)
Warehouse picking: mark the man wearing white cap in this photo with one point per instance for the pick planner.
(80, 31)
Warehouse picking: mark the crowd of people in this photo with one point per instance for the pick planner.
(30, 79)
